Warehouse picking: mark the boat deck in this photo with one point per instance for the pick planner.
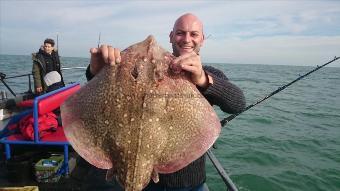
(83, 177)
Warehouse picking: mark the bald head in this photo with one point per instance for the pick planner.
(187, 35)
(187, 19)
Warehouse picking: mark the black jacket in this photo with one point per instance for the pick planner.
(44, 63)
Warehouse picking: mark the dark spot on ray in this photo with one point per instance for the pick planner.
(134, 72)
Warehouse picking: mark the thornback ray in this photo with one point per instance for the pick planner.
(138, 118)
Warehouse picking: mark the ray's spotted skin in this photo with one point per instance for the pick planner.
(138, 118)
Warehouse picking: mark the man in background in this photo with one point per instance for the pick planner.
(46, 68)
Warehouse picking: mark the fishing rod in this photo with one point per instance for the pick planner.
(230, 185)
(68, 68)
(228, 182)
(99, 39)
(57, 41)
(231, 117)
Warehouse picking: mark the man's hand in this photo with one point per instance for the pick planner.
(102, 56)
(191, 62)
(38, 89)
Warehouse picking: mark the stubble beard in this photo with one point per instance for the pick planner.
(177, 54)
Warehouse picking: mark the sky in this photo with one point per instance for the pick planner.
(241, 32)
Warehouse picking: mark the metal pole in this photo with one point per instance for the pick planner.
(8, 87)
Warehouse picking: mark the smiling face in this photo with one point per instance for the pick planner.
(187, 35)
(48, 48)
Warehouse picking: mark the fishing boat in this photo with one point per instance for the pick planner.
(35, 162)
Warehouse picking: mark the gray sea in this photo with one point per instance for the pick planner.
(289, 142)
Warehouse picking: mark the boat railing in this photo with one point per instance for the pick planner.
(3, 77)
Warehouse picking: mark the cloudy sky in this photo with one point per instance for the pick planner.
(246, 32)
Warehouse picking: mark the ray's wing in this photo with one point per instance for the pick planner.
(86, 116)
(183, 125)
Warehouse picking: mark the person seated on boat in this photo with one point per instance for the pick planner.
(186, 38)
(44, 61)
(53, 81)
